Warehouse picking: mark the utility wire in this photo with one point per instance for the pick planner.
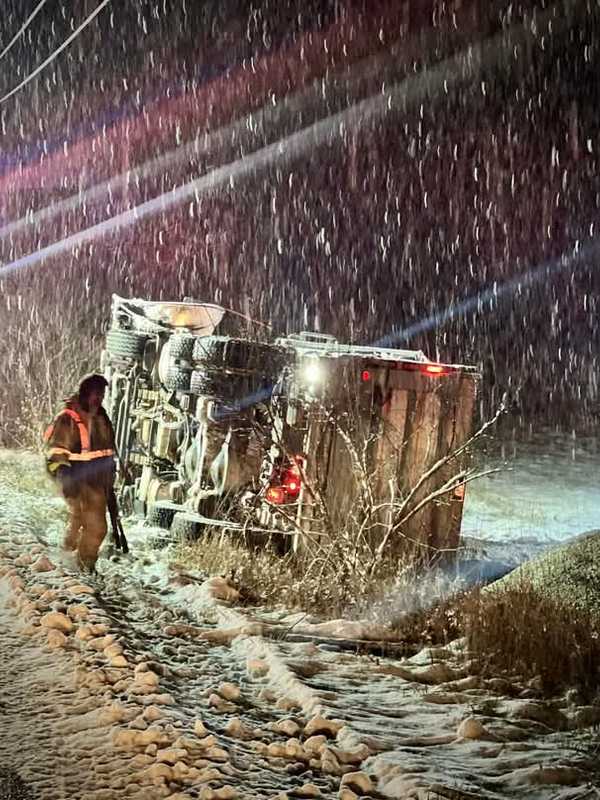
(56, 53)
(23, 28)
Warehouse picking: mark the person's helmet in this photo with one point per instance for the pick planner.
(91, 383)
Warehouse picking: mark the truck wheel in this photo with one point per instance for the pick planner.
(159, 517)
(177, 379)
(125, 344)
(181, 347)
(185, 529)
(230, 387)
(206, 384)
(225, 353)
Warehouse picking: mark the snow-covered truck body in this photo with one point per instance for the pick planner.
(221, 431)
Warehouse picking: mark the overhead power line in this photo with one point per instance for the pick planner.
(23, 28)
(56, 53)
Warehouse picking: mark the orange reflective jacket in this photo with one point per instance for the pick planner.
(86, 453)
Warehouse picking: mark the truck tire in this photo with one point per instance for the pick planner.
(185, 529)
(125, 344)
(159, 517)
(231, 388)
(207, 384)
(221, 352)
(181, 347)
(177, 379)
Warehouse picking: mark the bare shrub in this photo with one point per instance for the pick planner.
(44, 352)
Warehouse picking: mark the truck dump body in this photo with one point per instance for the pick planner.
(291, 438)
(377, 422)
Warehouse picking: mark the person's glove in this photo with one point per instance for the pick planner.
(65, 478)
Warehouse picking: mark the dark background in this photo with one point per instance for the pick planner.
(377, 226)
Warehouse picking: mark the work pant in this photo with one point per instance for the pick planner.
(87, 523)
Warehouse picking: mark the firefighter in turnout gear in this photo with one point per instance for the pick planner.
(80, 453)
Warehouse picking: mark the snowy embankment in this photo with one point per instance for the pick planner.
(144, 683)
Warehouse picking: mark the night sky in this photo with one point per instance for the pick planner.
(453, 148)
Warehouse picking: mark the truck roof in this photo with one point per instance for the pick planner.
(309, 344)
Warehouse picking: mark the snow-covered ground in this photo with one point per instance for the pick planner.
(142, 684)
(548, 490)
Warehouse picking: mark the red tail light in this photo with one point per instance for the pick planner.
(291, 484)
(365, 376)
(434, 369)
(275, 495)
(288, 483)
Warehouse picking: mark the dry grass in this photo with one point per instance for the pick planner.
(268, 578)
(519, 630)
(514, 630)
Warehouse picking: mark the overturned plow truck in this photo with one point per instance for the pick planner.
(288, 440)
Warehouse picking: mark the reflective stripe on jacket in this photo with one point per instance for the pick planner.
(64, 453)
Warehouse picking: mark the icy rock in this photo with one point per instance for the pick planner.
(358, 782)
(276, 750)
(267, 695)
(78, 612)
(24, 560)
(220, 589)
(446, 698)
(585, 717)
(207, 741)
(329, 763)
(125, 739)
(100, 643)
(257, 668)
(471, 728)
(208, 774)
(164, 699)
(28, 630)
(322, 725)
(84, 633)
(200, 729)
(287, 704)
(216, 754)
(79, 589)
(141, 760)
(180, 771)
(186, 743)
(56, 638)
(148, 680)
(229, 691)
(224, 793)
(294, 749)
(308, 790)
(220, 705)
(429, 655)
(57, 621)
(545, 776)
(152, 713)
(289, 727)
(119, 662)
(153, 735)
(171, 755)
(347, 794)
(100, 629)
(354, 756)
(238, 730)
(114, 649)
(538, 712)
(434, 673)
(159, 773)
(315, 744)
(43, 564)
